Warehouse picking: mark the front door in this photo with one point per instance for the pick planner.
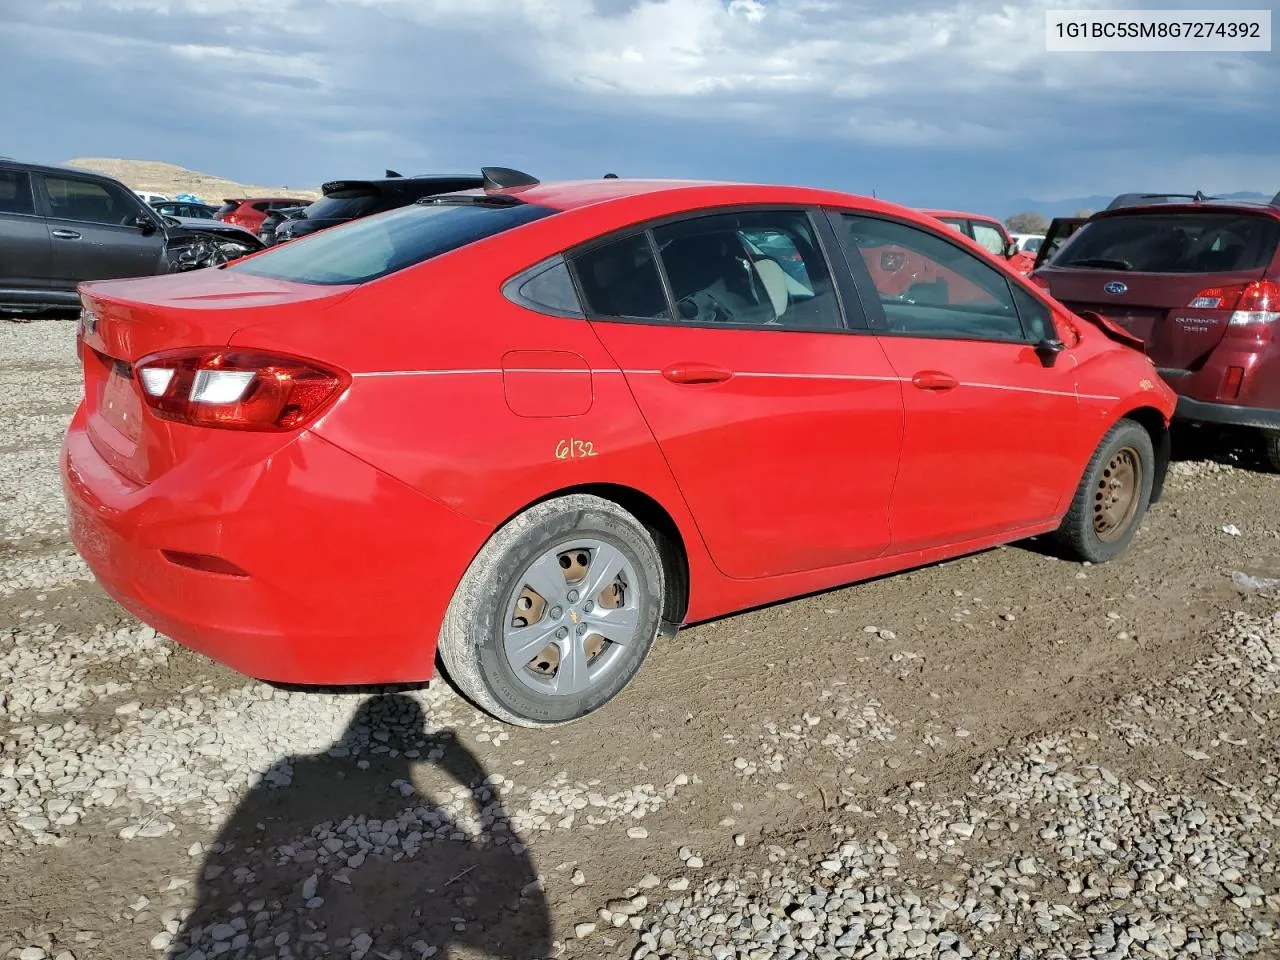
(780, 424)
(94, 235)
(982, 453)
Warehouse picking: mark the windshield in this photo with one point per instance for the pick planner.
(344, 207)
(376, 246)
(1193, 242)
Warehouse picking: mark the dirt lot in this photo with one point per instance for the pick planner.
(1007, 755)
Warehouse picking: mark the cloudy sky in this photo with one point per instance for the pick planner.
(928, 102)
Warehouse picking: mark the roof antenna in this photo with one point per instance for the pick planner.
(392, 173)
(610, 176)
(1200, 197)
(503, 178)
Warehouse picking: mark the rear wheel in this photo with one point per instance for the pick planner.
(556, 613)
(1113, 495)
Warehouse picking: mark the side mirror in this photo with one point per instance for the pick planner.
(145, 224)
(1048, 350)
(1011, 249)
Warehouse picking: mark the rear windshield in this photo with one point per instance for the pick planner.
(376, 246)
(229, 207)
(1208, 242)
(342, 207)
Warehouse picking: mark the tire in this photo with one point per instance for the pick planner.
(1094, 530)
(1271, 448)
(498, 602)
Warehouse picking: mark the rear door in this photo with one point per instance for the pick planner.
(781, 424)
(25, 257)
(93, 234)
(982, 453)
(1166, 275)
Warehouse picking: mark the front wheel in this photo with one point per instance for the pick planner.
(1113, 495)
(1271, 448)
(556, 613)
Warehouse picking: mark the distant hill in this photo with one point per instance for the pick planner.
(170, 179)
(1066, 208)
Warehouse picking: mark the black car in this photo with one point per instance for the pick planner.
(60, 226)
(273, 219)
(184, 208)
(347, 200)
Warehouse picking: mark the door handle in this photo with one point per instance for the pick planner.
(66, 234)
(935, 380)
(696, 373)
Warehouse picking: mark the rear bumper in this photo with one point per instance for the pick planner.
(348, 571)
(1205, 411)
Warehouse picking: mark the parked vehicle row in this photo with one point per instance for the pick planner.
(60, 226)
(1197, 280)
(681, 400)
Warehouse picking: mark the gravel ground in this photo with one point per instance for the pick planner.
(1004, 756)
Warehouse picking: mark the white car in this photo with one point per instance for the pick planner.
(1028, 242)
(149, 198)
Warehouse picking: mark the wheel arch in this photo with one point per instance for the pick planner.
(1157, 427)
(666, 534)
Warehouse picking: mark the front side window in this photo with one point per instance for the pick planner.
(759, 268)
(929, 287)
(989, 237)
(89, 202)
(376, 246)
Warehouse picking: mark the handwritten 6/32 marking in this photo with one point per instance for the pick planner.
(572, 449)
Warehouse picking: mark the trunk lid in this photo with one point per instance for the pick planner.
(127, 320)
(1156, 308)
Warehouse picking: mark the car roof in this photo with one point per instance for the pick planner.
(576, 194)
(1190, 206)
(961, 215)
(59, 169)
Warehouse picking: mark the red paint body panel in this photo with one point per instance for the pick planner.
(990, 455)
(788, 464)
(322, 535)
(812, 460)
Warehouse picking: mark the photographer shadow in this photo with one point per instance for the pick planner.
(352, 860)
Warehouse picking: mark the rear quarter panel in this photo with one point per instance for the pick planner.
(431, 404)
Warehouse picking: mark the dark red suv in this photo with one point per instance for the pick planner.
(1198, 280)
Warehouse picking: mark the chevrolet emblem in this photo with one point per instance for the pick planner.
(573, 615)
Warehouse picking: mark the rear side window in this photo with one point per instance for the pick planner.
(15, 192)
(376, 246)
(1199, 242)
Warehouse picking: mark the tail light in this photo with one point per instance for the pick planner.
(1254, 306)
(237, 389)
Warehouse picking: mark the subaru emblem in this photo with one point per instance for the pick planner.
(1115, 288)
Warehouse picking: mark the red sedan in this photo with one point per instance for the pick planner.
(531, 426)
